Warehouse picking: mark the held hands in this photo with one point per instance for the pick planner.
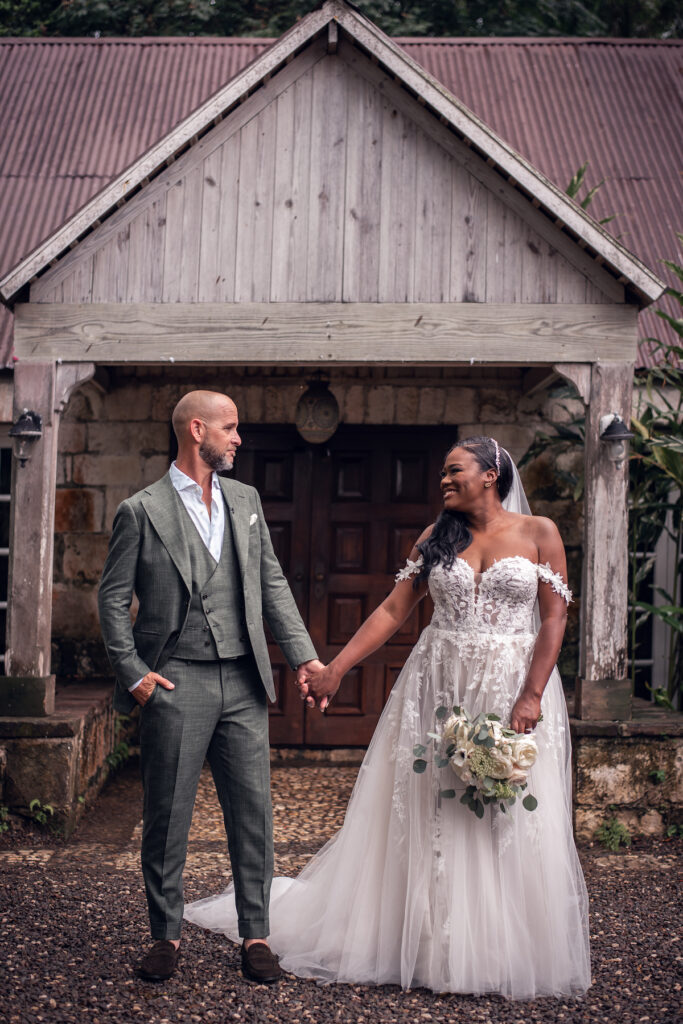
(148, 684)
(316, 682)
(525, 713)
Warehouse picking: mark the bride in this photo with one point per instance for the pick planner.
(414, 889)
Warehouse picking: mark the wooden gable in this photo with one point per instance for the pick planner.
(328, 184)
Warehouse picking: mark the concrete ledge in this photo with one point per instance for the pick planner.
(27, 695)
(60, 760)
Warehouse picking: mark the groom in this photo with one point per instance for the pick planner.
(196, 551)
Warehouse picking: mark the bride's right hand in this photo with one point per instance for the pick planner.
(323, 685)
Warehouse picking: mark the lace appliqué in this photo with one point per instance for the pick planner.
(546, 574)
(409, 569)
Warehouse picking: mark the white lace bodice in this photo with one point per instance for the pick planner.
(500, 600)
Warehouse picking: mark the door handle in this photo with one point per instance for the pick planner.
(319, 577)
(298, 577)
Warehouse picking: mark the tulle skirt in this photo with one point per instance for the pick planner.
(414, 889)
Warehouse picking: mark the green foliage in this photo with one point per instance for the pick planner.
(644, 18)
(657, 775)
(4, 819)
(674, 832)
(575, 185)
(119, 755)
(613, 834)
(40, 812)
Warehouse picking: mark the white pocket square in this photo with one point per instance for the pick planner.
(252, 518)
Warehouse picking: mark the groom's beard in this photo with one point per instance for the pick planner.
(219, 461)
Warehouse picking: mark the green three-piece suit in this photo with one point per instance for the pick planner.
(200, 624)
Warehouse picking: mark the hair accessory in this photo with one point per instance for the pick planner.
(497, 455)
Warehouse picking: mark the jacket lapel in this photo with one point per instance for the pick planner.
(161, 503)
(239, 517)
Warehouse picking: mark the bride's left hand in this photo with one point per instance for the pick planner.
(525, 713)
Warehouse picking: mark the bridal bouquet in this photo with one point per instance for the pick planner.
(492, 761)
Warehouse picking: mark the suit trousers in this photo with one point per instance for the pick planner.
(218, 710)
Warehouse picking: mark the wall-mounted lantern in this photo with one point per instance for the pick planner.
(615, 433)
(317, 412)
(24, 433)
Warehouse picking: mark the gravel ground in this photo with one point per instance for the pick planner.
(73, 924)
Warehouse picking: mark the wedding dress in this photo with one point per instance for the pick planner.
(414, 889)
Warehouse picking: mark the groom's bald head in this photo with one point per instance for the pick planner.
(208, 406)
(205, 423)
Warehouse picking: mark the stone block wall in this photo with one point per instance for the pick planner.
(115, 439)
(618, 776)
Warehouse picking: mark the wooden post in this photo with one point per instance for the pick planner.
(603, 687)
(44, 388)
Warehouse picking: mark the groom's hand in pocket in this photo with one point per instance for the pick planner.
(144, 690)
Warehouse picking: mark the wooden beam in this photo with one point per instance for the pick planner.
(45, 388)
(537, 379)
(603, 688)
(579, 376)
(332, 37)
(338, 334)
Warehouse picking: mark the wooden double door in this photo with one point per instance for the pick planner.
(343, 516)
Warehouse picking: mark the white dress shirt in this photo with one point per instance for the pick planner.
(210, 528)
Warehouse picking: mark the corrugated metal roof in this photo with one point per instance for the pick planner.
(75, 112)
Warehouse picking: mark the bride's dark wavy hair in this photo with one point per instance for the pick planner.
(451, 533)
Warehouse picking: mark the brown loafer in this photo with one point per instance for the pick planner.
(159, 962)
(259, 964)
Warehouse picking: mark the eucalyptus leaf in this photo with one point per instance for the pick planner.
(456, 710)
(447, 794)
(530, 802)
(441, 762)
(479, 808)
(419, 749)
(441, 712)
(419, 766)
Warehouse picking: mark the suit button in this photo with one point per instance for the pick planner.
(205, 597)
(205, 628)
(207, 643)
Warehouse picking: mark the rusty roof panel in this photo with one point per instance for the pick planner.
(74, 113)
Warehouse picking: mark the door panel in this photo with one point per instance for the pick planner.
(343, 517)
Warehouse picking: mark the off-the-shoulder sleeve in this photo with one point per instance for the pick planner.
(410, 569)
(546, 574)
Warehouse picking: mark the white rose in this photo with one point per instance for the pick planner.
(503, 761)
(517, 777)
(524, 752)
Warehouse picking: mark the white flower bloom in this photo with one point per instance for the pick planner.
(524, 752)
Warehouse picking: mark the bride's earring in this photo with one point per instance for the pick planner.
(487, 484)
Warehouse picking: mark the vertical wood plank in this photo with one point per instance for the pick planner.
(110, 268)
(328, 170)
(193, 193)
(468, 237)
(434, 191)
(496, 216)
(173, 241)
(255, 215)
(145, 246)
(603, 689)
(291, 192)
(227, 228)
(362, 198)
(209, 271)
(397, 217)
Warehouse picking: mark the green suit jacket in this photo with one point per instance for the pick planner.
(148, 556)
